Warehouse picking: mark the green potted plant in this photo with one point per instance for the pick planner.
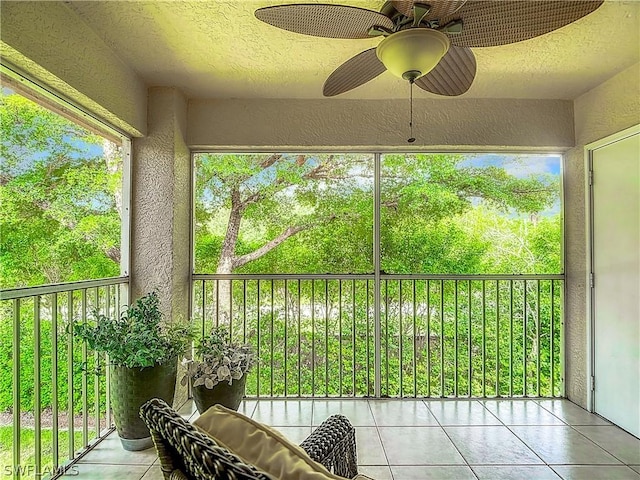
(143, 352)
(218, 373)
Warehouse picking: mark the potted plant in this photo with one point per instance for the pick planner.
(143, 352)
(218, 373)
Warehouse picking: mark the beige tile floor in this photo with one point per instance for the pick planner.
(431, 439)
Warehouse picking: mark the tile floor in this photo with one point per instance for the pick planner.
(432, 439)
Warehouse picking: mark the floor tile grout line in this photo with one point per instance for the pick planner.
(384, 450)
(450, 440)
(594, 442)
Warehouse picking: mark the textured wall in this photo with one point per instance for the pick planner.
(160, 221)
(340, 123)
(161, 204)
(52, 44)
(605, 110)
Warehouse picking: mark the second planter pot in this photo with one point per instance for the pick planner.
(224, 394)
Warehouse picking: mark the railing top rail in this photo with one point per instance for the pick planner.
(370, 276)
(24, 292)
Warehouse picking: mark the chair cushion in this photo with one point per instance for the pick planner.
(259, 445)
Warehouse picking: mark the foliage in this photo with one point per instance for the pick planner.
(285, 213)
(59, 194)
(138, 337)
(218, 360)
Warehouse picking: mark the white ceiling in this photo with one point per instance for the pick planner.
(218, 49)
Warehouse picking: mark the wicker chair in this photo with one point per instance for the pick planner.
(186, 453)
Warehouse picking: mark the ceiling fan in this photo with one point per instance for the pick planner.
(426, 42)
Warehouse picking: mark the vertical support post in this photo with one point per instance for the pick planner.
(376, 275)
(455, 341)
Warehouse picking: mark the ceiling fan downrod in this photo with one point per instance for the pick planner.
(411, 138)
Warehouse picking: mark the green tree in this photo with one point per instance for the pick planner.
(59, 193)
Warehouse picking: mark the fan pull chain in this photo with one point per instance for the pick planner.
(411, 138)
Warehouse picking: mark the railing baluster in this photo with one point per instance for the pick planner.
(326, 338)
(353, 336)
(37, 379)
(244, 310)
(386, 334)
(231, 310)
(368, 344)
(204, 312)
(484, 338)
(552, 328)
(218, 302)
(286, 327)
(497, 338)
(400, 364)
(415, 339)
(340, 369)
(313, 339)
(299, 342)
(511, 338)
(54, 378)
(258, 329)
(271, 331)
(70, 374)
(16, 387)
(538, 338)
(524, 342)
(470, 341)
(85, 378)
(442, 392)
(96, 380)
(428, 288)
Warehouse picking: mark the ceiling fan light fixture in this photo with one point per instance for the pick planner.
(412, 53)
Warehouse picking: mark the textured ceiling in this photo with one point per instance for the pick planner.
(218, 49)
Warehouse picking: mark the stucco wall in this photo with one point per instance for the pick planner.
(160, 218)
(53, 45)
(343, 124)
(160, 204)
(605, 110)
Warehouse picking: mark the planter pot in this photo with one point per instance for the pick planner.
(132, 387)
(227, 395)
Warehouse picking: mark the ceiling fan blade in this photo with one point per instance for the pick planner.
(453, 75)
(321, 20)
(439, 8)
(499, 22)
(354, 72)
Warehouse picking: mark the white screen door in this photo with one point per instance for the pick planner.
(616, 270)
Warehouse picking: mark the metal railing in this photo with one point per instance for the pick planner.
(59, 392)
(441, 335)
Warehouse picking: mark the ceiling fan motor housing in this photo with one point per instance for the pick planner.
(412, 53)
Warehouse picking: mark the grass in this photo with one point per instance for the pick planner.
(27, 450)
